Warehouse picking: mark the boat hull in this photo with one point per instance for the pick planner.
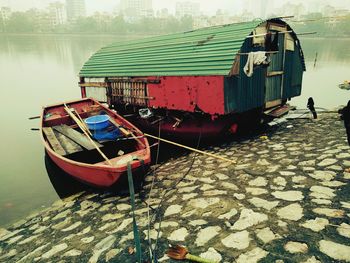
(101, 174)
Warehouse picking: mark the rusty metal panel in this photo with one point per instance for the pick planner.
(192, 94)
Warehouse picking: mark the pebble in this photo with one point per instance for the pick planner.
(204, 202)
(321, 201)
(230, 186)
(316, 224)
(288, 195)
(179, 234)
(280, 181)
(248, 218)
(238, 240)
(258, 202)
(173, 209)
(296, 247)
(100, 247)
(266, 235)
(344, 230)
(327, 162)
(253, 256)
(112, 253)
(259, 181)
(87, 240)
(54, 250)
(323, 175)
(72, 253)
(322, 192)
(312, 260)
(335, 250)
(198, 222)
(256, 191)
(212, 255)
(72, 227)
(292, 212)
(29, 239)
(228, 215)
(336, 213)
(206, 234)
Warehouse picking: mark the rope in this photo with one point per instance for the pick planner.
(149, 198)
(134, 224)
(157, 214)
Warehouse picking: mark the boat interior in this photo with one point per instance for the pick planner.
(64, 133)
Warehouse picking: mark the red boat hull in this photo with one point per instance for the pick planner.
(101, 174)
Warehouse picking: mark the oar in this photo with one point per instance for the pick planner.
(80, 119)
(191, 149)
(77, 121)
(34, 117)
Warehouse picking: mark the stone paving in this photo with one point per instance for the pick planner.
(286, 200)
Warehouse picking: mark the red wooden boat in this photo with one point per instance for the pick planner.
(75, 153)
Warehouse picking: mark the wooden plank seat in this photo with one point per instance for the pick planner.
(75, 136)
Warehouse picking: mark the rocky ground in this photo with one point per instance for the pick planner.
(286, 200)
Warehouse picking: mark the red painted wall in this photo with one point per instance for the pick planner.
(185, 93)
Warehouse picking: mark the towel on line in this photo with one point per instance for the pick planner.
(255, 58)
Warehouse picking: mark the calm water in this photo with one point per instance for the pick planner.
(40, 70)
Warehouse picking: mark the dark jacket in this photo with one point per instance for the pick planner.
(345, 114)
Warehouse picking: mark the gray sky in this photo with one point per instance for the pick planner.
(207, 6)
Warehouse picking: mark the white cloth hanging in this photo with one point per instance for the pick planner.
(254, 58)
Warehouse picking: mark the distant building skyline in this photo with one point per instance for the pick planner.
(75, 9)
(136, 9)
(187, 8)
(57, 12)
(249, 8)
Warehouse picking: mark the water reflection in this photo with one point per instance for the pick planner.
(62, 182)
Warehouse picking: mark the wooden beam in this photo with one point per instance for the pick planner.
(93, 84)
(52, 139)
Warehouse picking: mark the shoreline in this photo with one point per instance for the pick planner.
(287, 194)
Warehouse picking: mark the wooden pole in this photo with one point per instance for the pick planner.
(191, 149)
(81, 122)
(87, 135)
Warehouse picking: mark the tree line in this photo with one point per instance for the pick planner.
(33, 21)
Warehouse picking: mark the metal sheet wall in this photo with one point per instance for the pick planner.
(244, 93)
(274, 83)
(293, 74)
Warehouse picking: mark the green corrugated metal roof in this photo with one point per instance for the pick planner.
(206, 51)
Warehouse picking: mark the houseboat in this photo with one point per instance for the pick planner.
(208, 81)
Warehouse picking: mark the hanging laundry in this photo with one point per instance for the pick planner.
(254, 59)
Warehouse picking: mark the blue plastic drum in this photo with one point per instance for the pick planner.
(97, 122)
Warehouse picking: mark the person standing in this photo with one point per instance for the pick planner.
(311, 107)
(345, 116)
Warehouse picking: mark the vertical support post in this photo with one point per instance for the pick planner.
(82, 88)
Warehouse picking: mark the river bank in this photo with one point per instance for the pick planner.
(286, 200)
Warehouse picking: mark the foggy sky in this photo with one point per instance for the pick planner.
(208, 7)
